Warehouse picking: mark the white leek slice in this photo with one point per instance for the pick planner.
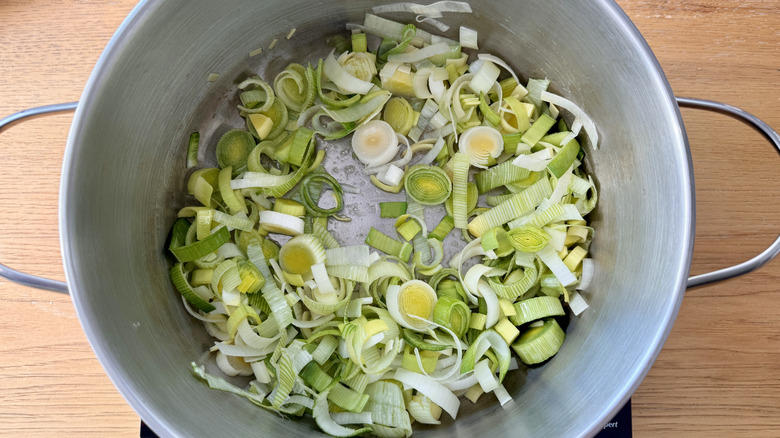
(414, 298)
(588, 269)
(275, 222)
(468, 38)
(480, 144)
(487, 380)
(352, 417)
(484, 78)
(322, 279)
(422, 410)
(432, 389)
(375, 143)
(341, 77)
(549, 256)
(420, 54)
(434, 152)
(423, 78)
(536, 161)
(393, 176)
(577, 112)
(233, 365)
(577, 303)
(496, 60)
(433, 10)
(390, 29)
(491, 300)
(502, 395)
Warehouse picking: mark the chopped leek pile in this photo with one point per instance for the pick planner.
(371, 338)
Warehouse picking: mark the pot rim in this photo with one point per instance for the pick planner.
(160, 425)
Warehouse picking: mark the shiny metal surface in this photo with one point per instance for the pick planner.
(768, 133)
(123, 177)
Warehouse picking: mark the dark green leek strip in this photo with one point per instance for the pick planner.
(564, 158)
(300, 145)
(282, 189)
(415, 340)
(453, 314)
(392, 209)
(180, 282)
(538, 130)
(378, 240)
(196, 250)
(499, 175)
(443, 228)
(179, 233)
(192, 150)
(329, 101)
(310, 201)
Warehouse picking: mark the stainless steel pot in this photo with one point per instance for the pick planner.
(123, 178)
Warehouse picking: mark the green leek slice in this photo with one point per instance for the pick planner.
(378, 240)
(192, 150)
(233, 149)
(534, 309)
(392, 209)
(528, 238)
(564, 158)
(196, 250)
(412, 304)
(180, 282)
(300, 253)
(537, 344)
(428, 185)
(516, 206)
(453, 314)
(499, 175)
(460, 189)
(537, 130)
(444, 227)
(312, 204)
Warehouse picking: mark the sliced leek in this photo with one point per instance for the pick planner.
(428, 185)
(382, 335)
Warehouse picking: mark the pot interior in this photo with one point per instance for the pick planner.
(124, 179)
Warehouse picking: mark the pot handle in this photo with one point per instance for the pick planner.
(5, 271)
(760, 126)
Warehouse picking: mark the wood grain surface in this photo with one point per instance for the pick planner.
(719, 371)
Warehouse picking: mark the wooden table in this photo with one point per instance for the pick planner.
(719, 372)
